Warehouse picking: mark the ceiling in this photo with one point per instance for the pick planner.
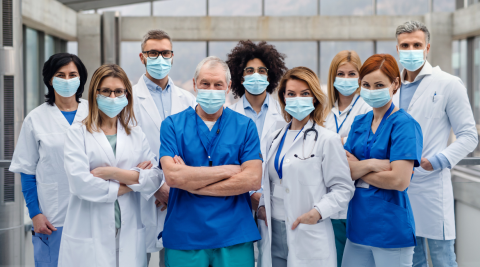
(79, 5)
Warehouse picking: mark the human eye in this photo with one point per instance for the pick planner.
(340, 74)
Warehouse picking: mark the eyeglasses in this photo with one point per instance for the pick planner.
(260, 70)
(107, 92)
(154, 54)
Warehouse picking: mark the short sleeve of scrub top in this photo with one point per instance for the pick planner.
(406, 142)
(168, 145)
(251, 145)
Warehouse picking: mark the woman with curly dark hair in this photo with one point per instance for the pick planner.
(256, 70)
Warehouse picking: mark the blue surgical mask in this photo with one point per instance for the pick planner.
(255, 83)
(346, 86)
(159, 67)
(111, 106)
(66, 88)
(299, 107)
(210, 100)
(376, 98)
(411, 60)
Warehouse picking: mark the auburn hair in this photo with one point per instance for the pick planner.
(385, 63)
(310, 78)
(126, 117)
(343, 57)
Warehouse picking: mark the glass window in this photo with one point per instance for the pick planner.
(443, 5)
(221, 49)
(72, 47)
(404, 7)
(142, 9)
(187, 56)
(180, 8)
(32, 71)
(235, 8)
(388, 47)
(49, 46)
(346, 8)
(299, 54)
(476, 86)
(291, 7)
(328, 50)
(130, 60)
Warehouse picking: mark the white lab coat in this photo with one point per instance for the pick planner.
(88, 237)
(360, 108)
(430, 193)
(273, 120)
(149, 120)
(39, 152)
(323, 181)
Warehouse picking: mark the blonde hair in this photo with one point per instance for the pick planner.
(310, 78)
(93, 121)
(345, 56)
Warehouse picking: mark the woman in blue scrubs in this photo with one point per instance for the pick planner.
(383, 147)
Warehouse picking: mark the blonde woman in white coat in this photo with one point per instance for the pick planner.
(344, 103)
(306, 180)
(108, 163)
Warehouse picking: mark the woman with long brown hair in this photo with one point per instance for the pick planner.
(306, 179)
(108, 164)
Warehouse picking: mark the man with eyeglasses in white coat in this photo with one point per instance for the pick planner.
(439, 102)
(155, 98)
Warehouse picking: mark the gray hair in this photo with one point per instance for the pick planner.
(155, 35)
(213, 61)
(412, 26)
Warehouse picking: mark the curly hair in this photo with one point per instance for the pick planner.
(248, 50)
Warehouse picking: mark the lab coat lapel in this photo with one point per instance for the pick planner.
(396, 98)
(238, 107)
(105, 145)
(272, 112)
(301, 134)
(121, 141)
(82, 111)
(148, 104)
(275, 143)
(57, 115)
(422, 88)
(177, 101)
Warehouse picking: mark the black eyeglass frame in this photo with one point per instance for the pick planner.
(159, 53)
(255, 70)
(124, 92)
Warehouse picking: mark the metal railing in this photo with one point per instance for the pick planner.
(5, 163)
(470, 161)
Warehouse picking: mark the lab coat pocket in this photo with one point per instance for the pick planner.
(141, 248)
(77, 251)
(41, 248)
(435, 109)
(48, 199)
(311, 241)
(309, 171)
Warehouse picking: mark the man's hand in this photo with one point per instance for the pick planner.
(162, 196)
(123, 189)
(380, 165)
(310, 217)
(350, 156)
(42, 225)
(255, 199)
(146, 165)
(426, 165)
(262, 215)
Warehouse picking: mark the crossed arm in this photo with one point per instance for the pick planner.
(383, 174)
(226, 180)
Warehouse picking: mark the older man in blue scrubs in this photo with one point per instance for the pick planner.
(211, 159)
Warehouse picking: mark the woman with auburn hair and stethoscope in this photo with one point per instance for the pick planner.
(344, 103)
(383, 147)
(306, 180)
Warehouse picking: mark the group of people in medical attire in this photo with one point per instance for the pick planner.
(354, 174)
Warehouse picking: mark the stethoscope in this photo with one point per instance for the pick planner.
(279, 167)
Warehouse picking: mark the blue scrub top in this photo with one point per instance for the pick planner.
(203, 222)
(379, 217)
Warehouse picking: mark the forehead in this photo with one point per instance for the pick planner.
(296, 85)
(159, 45)
(347, 66)
(112, 82)
(212, 73)
(416, 36)
(255, 63)
(375, 76)
(70, 67)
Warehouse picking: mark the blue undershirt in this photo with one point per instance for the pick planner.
(438, 161)
(29, 183)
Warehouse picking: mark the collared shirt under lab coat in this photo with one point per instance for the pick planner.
(321, 182)
(150, 120)
(89, 232)
(273, 121)
(439, 104)
(360, 108)
(39, 152)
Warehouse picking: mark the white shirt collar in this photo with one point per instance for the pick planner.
(335, 108)
(426, 70)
